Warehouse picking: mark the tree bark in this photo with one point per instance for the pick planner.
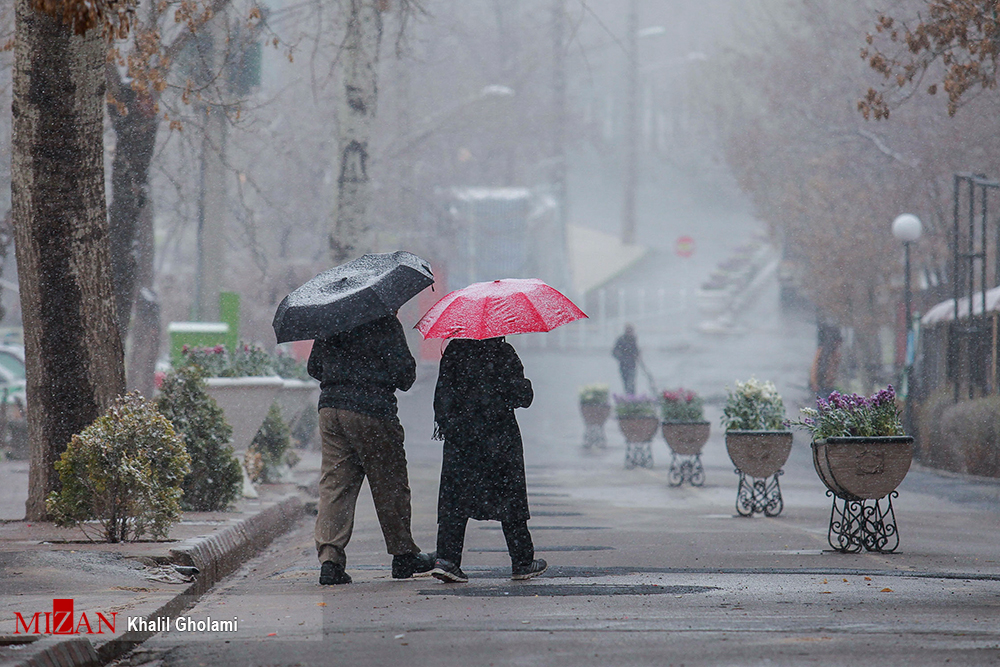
(73, 347)
(352, 234)
(135, 124)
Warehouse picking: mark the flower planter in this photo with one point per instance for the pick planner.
(244, 402)
(594, 416)
(862, 475)
(638, 429)
(759, 454)
(638, 432)
(686, 438)
(863, 468)
(758, 457)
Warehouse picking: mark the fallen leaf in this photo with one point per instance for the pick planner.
(272, 634)
(320, 604)
(824, 581)
(826, 592)
(845, 579)
(868, 578)
(886, 590)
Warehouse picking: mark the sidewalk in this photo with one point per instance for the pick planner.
(40, 562)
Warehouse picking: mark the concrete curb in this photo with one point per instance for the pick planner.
(214, 555)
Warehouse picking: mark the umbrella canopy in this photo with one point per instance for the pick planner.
(350, 295)
(498, 308)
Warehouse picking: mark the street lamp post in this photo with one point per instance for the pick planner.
(907, 228)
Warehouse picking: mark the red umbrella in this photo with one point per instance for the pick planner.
(498, 308)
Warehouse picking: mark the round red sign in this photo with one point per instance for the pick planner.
(684, 246)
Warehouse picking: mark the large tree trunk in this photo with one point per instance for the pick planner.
(73, 347)
(352, 233)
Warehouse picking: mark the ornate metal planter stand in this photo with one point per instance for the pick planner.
(638, 432)
(862, 475)
(759, 496)
(758, 457)
(594, 416)
(686, 440)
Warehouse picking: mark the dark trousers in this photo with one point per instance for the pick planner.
(628, 378)
(451, 540)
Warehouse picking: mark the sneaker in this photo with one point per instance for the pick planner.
(533, 569)
(405, 566)
(331, 573)
(448, 572)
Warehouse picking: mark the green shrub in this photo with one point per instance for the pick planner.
(271, 442)
(934, 445)
(124, 471)
(288, 367)
(215, 480)
(304, 428)
(246, 360)
(973, 429)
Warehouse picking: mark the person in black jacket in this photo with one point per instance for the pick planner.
(359, 372)
(626, 351)
(480, 383)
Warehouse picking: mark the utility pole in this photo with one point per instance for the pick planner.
(631, 125)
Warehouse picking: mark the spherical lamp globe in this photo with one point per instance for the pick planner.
(906, 227)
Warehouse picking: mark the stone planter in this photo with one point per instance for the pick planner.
(758, 457)
(638, 432)
(862, 475)
(759, 454)
(594, 416)
(685, 440)
(244, 402)
(863, 468)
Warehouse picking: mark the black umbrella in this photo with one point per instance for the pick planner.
(350, 295)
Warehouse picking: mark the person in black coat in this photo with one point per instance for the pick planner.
(626, 351)
(480, 383)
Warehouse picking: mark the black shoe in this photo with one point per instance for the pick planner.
(331, 573)
(533, 569)
(448, 572)
(405, 566)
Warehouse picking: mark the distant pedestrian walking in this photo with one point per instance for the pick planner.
(359, 371)
(626, 351)
(480, 384)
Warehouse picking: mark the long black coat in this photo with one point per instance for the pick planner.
(480, 383)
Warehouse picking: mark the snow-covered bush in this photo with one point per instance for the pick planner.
(215, 479)
(271, 443)
(124, 471)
